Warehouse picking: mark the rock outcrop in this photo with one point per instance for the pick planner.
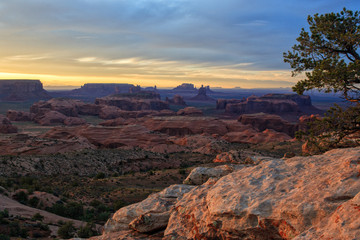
(181, 126)
(14, 115)
(149, 215)
(251, 135)
(262, 121)
(100, 89)
(202, 96)
(185, 87)
(190, 111)
(6, 126)
(22, 90)
(270, 103)
(313, 197)
(176, 100)
(129, 102)
(68, 107)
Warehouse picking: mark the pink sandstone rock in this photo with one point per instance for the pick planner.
(262, 121)
(252, 136)
(6, 126)
(50, 118)
(190, 111)
(14, 115)
(277, 199)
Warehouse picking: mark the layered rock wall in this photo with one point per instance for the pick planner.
(22, 90)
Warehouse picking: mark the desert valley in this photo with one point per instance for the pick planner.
(122, 162)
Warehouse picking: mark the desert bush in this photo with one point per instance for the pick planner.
(4, 237)
(100, 175)
(87, 231)
(67, 230)
(37, 217)
(21, 197)
(336, 130)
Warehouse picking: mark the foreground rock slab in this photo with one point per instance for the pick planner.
(148, 215)
(277, 199)
(315, 197)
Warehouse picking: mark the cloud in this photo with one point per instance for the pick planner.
(178, 34)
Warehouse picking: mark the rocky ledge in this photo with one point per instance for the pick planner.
(313, 197)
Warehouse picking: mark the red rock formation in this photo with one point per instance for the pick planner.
(66, 106)
(176, 100)
(180, 126)
(253, 136)
(6, 126)
(74, 121)
(89, 109)
(190, 111)
(270, 103)
(22, 90)
(134, 102)
(296, 198)
(14, 115)
(110, 137)
(115, 122)
(50, 118)
(262, 121)
(201, 96)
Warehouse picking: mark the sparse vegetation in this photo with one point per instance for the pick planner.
(67, 230)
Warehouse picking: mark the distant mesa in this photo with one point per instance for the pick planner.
(101, 89)
(22, 90)
(134, 101)
(185, 87)
(202, 96)
(269, 103)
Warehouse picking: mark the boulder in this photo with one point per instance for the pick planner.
(234, 157)
(313, 197)
(50, 118)
(156, 205)
(342, 224)
(14, 115)
(190, 111)
(68, 107)
(262, 121)
(200, 175)
(6, 126)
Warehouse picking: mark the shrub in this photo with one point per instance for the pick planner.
(87, 231)
(335, 130)
(21, 197)
(100, 175)
(67, 230)
(37, 217)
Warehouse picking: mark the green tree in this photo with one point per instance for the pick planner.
(328, 54)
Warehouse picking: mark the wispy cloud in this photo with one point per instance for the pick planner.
(154, 37)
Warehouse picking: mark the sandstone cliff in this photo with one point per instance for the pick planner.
(270, 103)
(22, 90)
(313, 197)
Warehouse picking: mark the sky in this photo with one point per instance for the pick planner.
(221, 43)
